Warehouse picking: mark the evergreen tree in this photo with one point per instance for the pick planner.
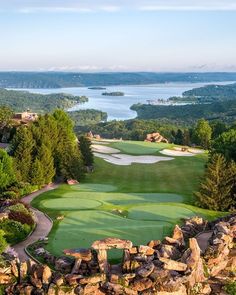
(7, 174)
(86, 150)
(46, 159)
(203, 133)
(186, 138)
(37, 173)
(68, 158)
(225, 144)
(179, 137)
(21, 150)
(217, 190)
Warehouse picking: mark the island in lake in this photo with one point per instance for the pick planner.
(115, 93)
(97, 88)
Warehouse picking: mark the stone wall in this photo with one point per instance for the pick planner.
(199, 258)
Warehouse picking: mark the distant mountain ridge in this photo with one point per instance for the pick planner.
(65, 79)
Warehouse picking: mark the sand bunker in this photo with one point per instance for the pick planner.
(126, 160)
(190, 150)
(196, 151)
(175, 153)
(104, 149)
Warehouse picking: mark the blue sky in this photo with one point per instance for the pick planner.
(109, 35)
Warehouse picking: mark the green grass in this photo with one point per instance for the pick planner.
(140, 148)
(138, 202)
(179, 176)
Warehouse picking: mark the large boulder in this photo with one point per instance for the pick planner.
(156, 137)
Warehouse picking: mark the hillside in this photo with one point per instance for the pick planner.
(213, 92)
(63, 79)
(20, 101)
(189, 113)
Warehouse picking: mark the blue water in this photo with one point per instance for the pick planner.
(118, 107)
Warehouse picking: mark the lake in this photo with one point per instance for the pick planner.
(118, 107)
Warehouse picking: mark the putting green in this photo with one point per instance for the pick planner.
(140, 148)
(70, 204)
(84, 227)
(95, 187)
(160, 212)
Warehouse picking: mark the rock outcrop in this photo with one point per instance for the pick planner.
(174, 266)
(156, 137)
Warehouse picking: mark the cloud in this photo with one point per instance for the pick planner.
(87, 6)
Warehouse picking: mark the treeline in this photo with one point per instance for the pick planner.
(200, 133)
(130, 129)
(60, 80)
(41, 152)
(20, 101)
(224, 110)
(87, 117)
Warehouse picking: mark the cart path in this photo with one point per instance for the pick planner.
(43, 224)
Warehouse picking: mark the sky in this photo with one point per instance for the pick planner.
(118, 35)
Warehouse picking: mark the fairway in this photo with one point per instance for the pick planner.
(139, 202)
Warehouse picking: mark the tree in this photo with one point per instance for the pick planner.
(186, 138)
(7, 174)
(37, 173)
(46, 159)
(218, 128)
(225, 144)
(179, 137)
(217, 190)
(86, 150)
(21, 149)
(6, 115)
(203, 133)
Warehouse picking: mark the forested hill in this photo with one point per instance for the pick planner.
(62, 79)
(225, 110)
(20, 101)
(213, 92)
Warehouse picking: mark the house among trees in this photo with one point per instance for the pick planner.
(25, 117)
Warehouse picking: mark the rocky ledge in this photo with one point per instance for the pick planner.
(200, 258)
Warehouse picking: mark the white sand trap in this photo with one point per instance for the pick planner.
(190, 150)
(104, 149)
(175, 153)
(196, 151)
(126, 160)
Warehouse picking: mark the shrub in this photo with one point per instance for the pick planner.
(231, 288)
(22, 217)
(3, 242)
(26, 188)
(19, 207)
(14, 230)
(9, 195)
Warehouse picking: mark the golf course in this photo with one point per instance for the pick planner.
(135, 193)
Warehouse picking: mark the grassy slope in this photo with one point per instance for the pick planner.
(150, 196)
